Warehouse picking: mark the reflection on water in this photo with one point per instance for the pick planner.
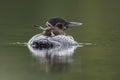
(55, 59)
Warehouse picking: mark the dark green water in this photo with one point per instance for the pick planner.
(101, 26)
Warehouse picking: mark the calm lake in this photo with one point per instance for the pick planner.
(97, 58)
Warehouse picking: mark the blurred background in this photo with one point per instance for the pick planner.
(100, 18)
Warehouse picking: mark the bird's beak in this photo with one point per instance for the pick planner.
(71, 24)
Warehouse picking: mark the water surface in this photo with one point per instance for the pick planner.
(91, 62)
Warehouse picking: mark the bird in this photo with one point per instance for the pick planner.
(56, 26)
(53, 33)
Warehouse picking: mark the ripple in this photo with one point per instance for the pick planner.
(19, 43)
(85, 44)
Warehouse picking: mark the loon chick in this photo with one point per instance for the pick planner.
(53, 31)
